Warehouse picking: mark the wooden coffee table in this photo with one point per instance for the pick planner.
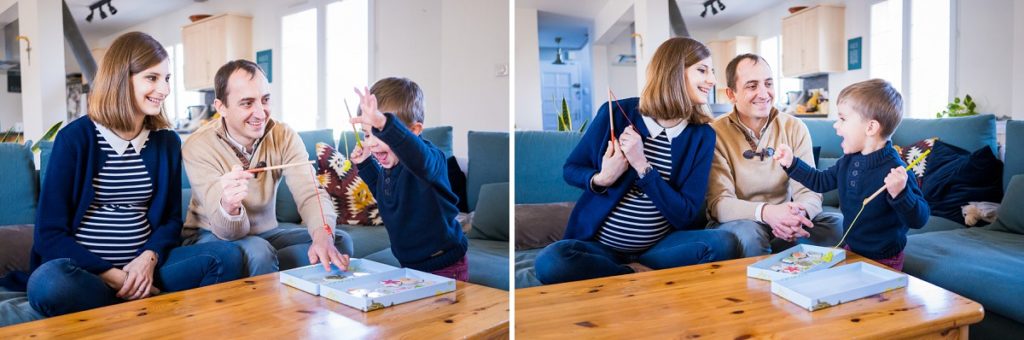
(717, 300)
(263, 307)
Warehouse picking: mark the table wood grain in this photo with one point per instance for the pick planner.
(717, 300)
(262, 307)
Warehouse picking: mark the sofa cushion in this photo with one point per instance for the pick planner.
(285, 206)
(1010, 217)
(311, 138)
(970, 133)
(956, 177)
(538, 225)
(937, 223)
(15, 309)
(540, 156)
(45, 149)
(979, 263)
(830, 198)
(350, 196)
(19, 189)
(15, 248)
(490, 219)
(910, 153)
(366, 240)
(526, 275)
(488, 262)
(488, 162)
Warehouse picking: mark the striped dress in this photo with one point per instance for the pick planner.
(116, 226)
(635, 224)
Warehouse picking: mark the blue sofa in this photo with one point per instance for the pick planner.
(985, 264)
(487, 178)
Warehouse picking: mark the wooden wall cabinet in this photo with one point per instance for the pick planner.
(722, 52)
(211, 42)
(813, 41)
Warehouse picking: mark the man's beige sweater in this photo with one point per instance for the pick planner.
(737, 186)
(208, 156)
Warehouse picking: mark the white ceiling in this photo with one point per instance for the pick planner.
(586, 10)
(129, 13)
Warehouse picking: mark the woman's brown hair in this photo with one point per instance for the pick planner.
(112, 97)
(664, 96)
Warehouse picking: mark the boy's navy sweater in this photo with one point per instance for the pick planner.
(881, 230)
(679, 199)
(416, 201)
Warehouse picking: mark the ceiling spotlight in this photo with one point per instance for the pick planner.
(711, 4)
(99, 6)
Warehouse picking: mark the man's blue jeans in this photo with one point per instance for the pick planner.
(573, 260)
(60, 286)
(281, 248)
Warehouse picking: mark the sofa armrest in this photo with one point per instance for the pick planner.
(1010, 217)
(15, 248)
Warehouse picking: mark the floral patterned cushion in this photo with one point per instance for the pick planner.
(910, 153)
(351, 196)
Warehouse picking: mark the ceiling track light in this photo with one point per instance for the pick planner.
(711, 4)
(98, 6)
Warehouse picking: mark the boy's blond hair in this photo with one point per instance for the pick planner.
(875, 99)
(400, 96)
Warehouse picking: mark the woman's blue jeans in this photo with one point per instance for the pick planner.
(573, 260)
(60, 286)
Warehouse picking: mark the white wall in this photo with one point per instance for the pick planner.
(474, 45)
(407, 44)
(10, 103)
(451, 48)
(622, 78)
(42, 86)
(985, 54)
(1018, 60)
(10, 106)
(527, 71)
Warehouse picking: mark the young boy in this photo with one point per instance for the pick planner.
(409, 179)
(869, 112)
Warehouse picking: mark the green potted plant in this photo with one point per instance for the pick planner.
(12, 137)
(565, 119)
(956, 108)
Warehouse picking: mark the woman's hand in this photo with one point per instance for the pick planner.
(139, 281)
(633, 148)
(613, 165)
(114, 278)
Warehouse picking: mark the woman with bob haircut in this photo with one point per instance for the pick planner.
(108, 227)
(643, 186)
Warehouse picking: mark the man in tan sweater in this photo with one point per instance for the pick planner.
(749, 194)
(231, 204)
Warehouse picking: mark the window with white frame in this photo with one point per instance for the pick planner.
(348, 61)
(178, 100)
(300, 76)
(886, 42)
(929, 58)
(771, 51)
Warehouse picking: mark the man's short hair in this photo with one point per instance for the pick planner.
(730, 70)
(400, 96)
(220, 80)
(875, 99)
